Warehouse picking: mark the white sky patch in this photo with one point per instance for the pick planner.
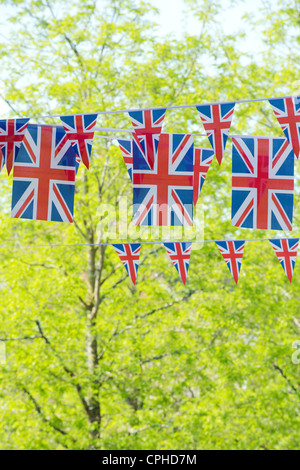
(173, 19)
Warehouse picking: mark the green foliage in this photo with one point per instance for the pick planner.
(93, 362)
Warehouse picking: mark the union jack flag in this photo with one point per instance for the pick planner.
(126, 150)
(164, 195)
(80, 131)
(216, 119)
(129, 254)
(202, 161)
(44, 176)
(287, 111)
(286, 252)
(147, 126)
(11, 135)
(232, 253)
(262, 183)
(179, 254)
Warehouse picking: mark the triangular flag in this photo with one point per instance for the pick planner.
(147, 126)
(232, 253)
(287, 111)
(202, 161)
(216, 119)
(80, 131)
(129, 254)
(12, 132)
(179, 254)
(286, 252)
(126, 150)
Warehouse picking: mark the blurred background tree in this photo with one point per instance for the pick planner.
(93, 362)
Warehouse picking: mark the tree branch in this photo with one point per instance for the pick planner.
(170, 304)
(22, 338)
(42, 414)
(84, 235)
(276, 367)
(9, 105)
(66, 369)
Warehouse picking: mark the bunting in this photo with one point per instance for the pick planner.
(232, 253)
(286, 252)
(11, 135)
(147, 126)
(163, 196)
(216, 119)
(262, 183)
(202, 162)
(129, 254)
(44, 176)
(179, 254)
(287, 111)
(166, 171)
(80, 131)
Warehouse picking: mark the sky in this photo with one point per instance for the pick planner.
(173, 20)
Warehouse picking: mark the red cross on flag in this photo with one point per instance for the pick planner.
(262, 183)
(216, 119)
(232, 252)
(80, 132)
(180, 253)
(147, 126)
(44, 176)
(287, 111)
(286, 252)
(164, 195)
(12, 132)
(129, 254)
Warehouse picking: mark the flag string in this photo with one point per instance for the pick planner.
(131, 131)
(74, 245)
(119, 111)
(230, 136)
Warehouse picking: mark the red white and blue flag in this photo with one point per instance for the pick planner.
(262, 183)
(80, 131)
(232, 253)
(163, 196)
(11, 135)
(287, 111)
(202, 162)
(126, 150)
(216, 119)
(147, 126)
(179, 254)
(129, 254)
(44, 176)
(286, 252)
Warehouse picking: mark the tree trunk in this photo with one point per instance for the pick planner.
(94, 416)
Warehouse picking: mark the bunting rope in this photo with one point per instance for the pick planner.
(179, 254)
(132, 131)
(164, 107)
(151, 243)
(230, 136)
